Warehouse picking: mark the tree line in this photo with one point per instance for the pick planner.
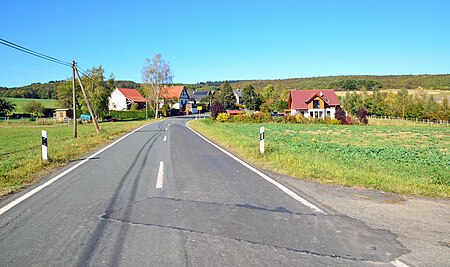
(418, 105)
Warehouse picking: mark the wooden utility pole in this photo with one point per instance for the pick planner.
(74, 102)
(87, 101)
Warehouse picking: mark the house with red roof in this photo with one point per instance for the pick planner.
(178, 95)
(123, 98)
(313, 103)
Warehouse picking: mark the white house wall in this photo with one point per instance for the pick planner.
(318, 110)
(117, 101)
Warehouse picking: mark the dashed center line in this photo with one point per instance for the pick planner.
(159, 180)
(398, 263)
(165, 138)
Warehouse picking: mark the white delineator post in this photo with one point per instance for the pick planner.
(44, 145)
(261, 140)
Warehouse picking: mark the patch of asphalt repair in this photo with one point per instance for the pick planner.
(277, 228)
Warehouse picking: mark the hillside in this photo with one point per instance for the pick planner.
(429, 82)
(48, 90)
(352, 82)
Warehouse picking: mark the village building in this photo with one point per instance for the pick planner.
(238, 94)
(199, 96)
(178, 95)
(124, 98)
(62, 115)
(313, 103)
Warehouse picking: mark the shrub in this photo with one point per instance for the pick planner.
(216, 109)
(332, 121)
(362, 116)
(289, 119)
(259, 117)
(299, 118)
(223, 117)
(130, 115)
(340, 115)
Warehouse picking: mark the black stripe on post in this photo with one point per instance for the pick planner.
(44, 141)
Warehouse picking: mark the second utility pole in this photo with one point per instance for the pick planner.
(74, 102)
(87, 101)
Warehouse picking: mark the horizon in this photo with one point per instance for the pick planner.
(236, 40)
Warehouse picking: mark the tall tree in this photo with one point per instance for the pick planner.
(402, 102)
(250, 99)
(64, 94)
(226, 96)
(98, 90)
(6, 106)
(34, 107)
(155, 74)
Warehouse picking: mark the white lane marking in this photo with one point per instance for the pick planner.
(49, 182)
(166, 129)
(398, 263)
(264, 176)
(159, 180)
(165, 138)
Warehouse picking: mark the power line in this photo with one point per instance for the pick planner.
(34, 53)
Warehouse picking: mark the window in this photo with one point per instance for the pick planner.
(311, 114)
(316, 104)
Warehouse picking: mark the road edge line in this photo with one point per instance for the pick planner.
(261, 174)
(17, 201)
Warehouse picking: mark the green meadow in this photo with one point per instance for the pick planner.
(21, 102)
(20, 149)
(411, 160)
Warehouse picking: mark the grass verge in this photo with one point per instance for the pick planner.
(403, 159)
(20, 149)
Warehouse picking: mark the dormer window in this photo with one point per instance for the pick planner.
(316, 104)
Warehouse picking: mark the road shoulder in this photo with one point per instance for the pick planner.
(421, 224)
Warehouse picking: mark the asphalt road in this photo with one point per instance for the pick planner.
(163, 196)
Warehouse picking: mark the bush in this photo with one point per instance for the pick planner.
(289, 119)
(332, 121)
(340, 115)
(362, 116)
(299, 118)
(130, 115)
(216, 109)
(259, 117)
(223, 117)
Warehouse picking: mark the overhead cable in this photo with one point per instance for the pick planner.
(34, 53)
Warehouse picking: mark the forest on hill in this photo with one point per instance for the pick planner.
(355, 82)
(339, 83)
(49, 90)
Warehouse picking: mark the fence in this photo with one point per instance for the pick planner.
(398, 120)
(9, 121)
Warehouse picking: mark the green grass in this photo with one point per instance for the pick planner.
(20, 149)
(21, 102)
(402, 159)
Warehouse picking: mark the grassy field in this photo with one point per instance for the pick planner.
(21, 102)
(401, 159)
(20, 149)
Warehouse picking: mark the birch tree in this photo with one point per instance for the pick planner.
(155, 74)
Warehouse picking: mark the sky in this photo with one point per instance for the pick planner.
(226, 40)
